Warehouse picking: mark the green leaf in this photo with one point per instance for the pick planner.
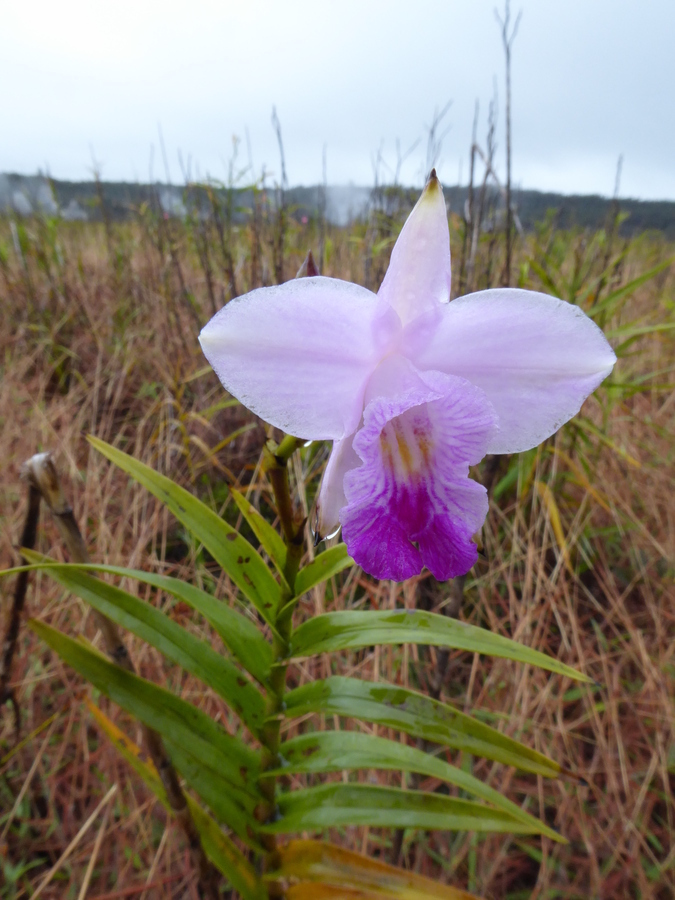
(132, 754)
(333, 751)
(215, 792)
(172, 717)
(627, 289)
(177, 644)
(270, 540)
(226, 856)
(413, 713)
(323, 567)
(230, 550)
(363, 628)
(238, 633)
(219, 848)
(332, 805)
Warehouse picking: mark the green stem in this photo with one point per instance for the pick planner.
(275, 459)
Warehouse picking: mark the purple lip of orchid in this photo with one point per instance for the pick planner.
(411, 389)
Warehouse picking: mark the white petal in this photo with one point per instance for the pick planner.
(299, 354)
(418, 277)
(536, 357)
(331, 497)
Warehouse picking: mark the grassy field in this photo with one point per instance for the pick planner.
(98, 329)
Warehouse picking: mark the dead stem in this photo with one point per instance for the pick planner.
(28, 536)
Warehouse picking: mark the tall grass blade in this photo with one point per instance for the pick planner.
(548, 500)
(626, 290)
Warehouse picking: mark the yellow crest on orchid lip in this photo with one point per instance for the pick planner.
(406, 447)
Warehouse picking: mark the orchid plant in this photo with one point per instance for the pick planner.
(412, 390)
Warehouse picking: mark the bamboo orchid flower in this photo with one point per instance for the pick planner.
(411, 388)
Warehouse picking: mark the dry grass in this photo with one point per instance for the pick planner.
(98, 335)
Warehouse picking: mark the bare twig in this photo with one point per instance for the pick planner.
(323, 203)
(469, 210)
(435, 137)
(28, 536)
(612, 226)
(279, 236)
(507, 40)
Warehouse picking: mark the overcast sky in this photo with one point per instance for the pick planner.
(592, 79)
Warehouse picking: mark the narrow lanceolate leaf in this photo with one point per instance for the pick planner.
(413, 713)
(219, 848)
(216, 792)
(177, 644)
(239, 634)
(172, 717)
(332, 805)
(333, 751)
(323, 567)
(323, 865)
(363, 628)
(270, 540)
(230, 550)
(132, 754)
(226, 856)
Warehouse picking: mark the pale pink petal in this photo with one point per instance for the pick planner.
(418, 277)
(331, 497)
(299, 354)
(536, 357)
(411, 502)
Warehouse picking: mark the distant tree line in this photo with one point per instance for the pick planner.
(120, 200)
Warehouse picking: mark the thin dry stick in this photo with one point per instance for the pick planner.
(478, 214)
(282, 186)
(28, 536)
(75, 841)
(27, 781)
(507, 40)
(323, 202)
(94, 855)
(469, 206)
(42, 474)
(155, 863)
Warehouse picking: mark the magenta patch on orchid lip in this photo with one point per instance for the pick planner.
(411, 503)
